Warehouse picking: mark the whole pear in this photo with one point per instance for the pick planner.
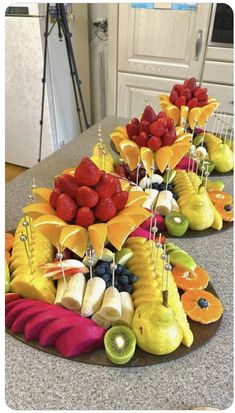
(156, 329)
(222, 157)
(199, 210)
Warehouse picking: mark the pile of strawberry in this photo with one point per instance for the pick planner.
(90, 196)
(189, 94)
(153, 130)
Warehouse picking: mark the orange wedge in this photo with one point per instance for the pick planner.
(146, 156)
(163, 156)
(97, 236)
(130, 153)
(193, 116)
(136, 199)
(206, 112)
(75, 238)
(50, 226)
(125, 184)
(38, 209)
(69, 171)
(179, 130)
(179, 150)
(121, 129)
(43, 194)
(211, 99)
(173, 112)
(138, 215)
(164, 98)
(119, 228)
(185, 138)
(116, 138)
(164, 104)
(184, 110)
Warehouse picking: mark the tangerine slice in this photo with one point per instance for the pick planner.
(43, 194)
(68, 171)
(146, 156)
(50, 226)
(173, 112)
(179, 130)
(38, 209)
(201, 306)
(163, 156)
(74, 238)
(193, 116)
(164, 104)
(9, 239)
(97, 236)
(130, 153)
(190, 280)
(220, 198)
(117, 137)
(136, 198)
(121, 129)
(118, 230)
(185, 138)
(206, 112)
(184, 110)
(226, 212)
(179, 150)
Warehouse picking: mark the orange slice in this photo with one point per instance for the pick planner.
(185, 138)
(163, 156)
(179, 150)
(164, 104)
(130, 153)
(75, 238)
(190, 280)
(43, 194)
(146, 156)
(38, 209)
(206, 112)
(69, 171)
(119, 228)
(220, 198)
(50, 226)
(202, 306)
(136, 199)
(9, 239)
(7, 257)
(116, 138)
(125, 184)
(193, 116)
(184, 110)
(173, 112)
(121, 129)
(179, 130)
(138, 215)
(211, 99)
(226, 212)
(97, 236)
(164, 98)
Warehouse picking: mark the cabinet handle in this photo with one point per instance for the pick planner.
(198, 46)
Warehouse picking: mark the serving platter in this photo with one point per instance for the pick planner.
(202, 334)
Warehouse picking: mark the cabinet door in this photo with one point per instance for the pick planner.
(166, 43)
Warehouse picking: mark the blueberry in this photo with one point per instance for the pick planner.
(106, 277)
(203, 303)
(125, 271)
(119, 269)
(100, 269)
(169, 187)
(124, 279)
(162, 187)
(128, 288)
(228, 208)
(132, 278)
(120, 288)
(175, 195)
(155, 185)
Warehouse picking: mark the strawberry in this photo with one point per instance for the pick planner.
(168, 138)
(85, 217)
(133, 127)
(53, 197)
(158, 128)
(187, 94)
(106, 185)
(170, 123)
(135, 121)
(178, 88)
(120, 170)
(105, 209)
(66, 207)
(117, 185)
(202, 102)
(181, 101)
(200, 94)
(190, 84)
(149, 114)
(161, 115)
(87, 197)
(142, 139)
(120, 200)
(67, 185)
(154, 143)
(133, 138)
(192, 103)
(87, 173)
(173, 96)
(144, 126)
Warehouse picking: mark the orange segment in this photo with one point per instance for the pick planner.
(179, 150)
(226, 215)
(190, 280)
(164, 98)
(75, 238)
(202, 306)
(69, 171)
(138, 215)
(118, 230)
(43, 194)
(179, 130)
(117, 137)
(125, 184)
(9, 239)
(130, 153)
(184, 138)
(164, 104)
(38, 209)
(193, 116)
(163, 156)
(173, 112)
(220, 198)
(50, 226)
(122, 129)
(136, 199)
(146, 156)
(206, 112)
(97, 236)
(184, 110)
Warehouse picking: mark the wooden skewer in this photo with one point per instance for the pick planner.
(163, 257)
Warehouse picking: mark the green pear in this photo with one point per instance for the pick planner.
(222, 157)
(156, 329)
(7, 278)
(180, 257)
(214, 185)
(199, 210)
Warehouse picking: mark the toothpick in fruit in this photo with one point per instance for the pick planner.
(26, 225)
(137, 171)
(158, 246)
(207, 173)
(163, 257)
(155, 230)
(167, 176)
(23, 238)
(113, 267)
(59, 256)
(168, 268)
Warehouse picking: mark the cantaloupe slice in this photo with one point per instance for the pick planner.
(163, 156)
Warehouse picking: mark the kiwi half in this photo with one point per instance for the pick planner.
(119, 343)
(176, 223)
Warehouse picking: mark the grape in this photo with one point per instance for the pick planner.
(124, 279)
(128, 288)
(132, 278)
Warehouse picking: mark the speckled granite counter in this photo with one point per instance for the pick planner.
(38, 381)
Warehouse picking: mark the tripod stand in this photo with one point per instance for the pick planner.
(63, 29)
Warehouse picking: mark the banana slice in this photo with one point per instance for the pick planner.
(127, 310)
(163, 205)
(61, 289)
(93, 297)
(101, 321)
(174, 205)
(152, 198)
(73, 296)
(111, 308)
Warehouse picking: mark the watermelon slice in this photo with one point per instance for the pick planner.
(25, 315)
(54, 329)
(81, 339)
(18, 308)
(35, 325)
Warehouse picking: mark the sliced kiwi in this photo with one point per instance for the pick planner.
(176, 223)
(119, 342)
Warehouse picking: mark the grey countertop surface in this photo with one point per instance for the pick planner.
(38, 381)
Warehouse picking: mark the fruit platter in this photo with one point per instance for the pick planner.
(81, 283)
(177, 137)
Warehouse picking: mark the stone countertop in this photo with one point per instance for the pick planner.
(38, 381)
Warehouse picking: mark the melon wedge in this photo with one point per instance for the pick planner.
(97, 235)
(75, 238)
(43, 194)
(130, 153)
(163, 156)
(50, 226)
(37, 209)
